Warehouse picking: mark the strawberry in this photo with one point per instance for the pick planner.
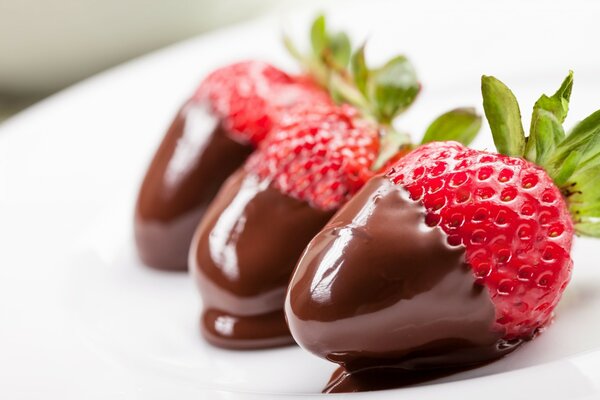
(320, 155)
(509, 216)
(212, 135)
(316, 157)
(250, 95)
(454, 256)
(253, 233)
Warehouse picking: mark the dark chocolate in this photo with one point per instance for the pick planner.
(382, 378)
(242, 256)
(194, 159)
(382, 294)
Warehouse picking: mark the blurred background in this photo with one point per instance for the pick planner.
(46, 46)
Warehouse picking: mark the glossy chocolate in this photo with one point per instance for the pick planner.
(194, 159)
(377, 288)
(382, 378)
(243, 254)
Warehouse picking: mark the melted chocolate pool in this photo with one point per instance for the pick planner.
(385, 297)
(194, 159)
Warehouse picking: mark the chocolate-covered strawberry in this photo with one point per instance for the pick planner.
(251, 236)
(455, 256)
(212, 135)
(253, 233)
(311, 163)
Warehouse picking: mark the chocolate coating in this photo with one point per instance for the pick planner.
(194, 159)
(370, 379)
(243, 254)
(377, 288)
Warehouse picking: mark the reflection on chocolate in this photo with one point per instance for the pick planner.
(245, 332)
(194, 159)
(243, 254)
(377, 288)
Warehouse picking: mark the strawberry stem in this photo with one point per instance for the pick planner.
(392, 141)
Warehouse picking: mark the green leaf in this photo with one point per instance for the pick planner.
(292, 49)
(583, 134)
(318, 36)
(559, 102)
(348, 93)
(360, 71)
(546, 130)
(545, 134)
(575, 167)
(395, 87)
(504, 116)
(588, 227)
(573, 160)
(566, 169)
(583, 198)
(340, 49)
(584, 138)
(379, 94)
(461, 125)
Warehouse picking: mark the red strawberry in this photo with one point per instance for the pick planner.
(314, 160)
(321, 155)
(455, 256)
(253, 233)
(232, 111)
(509, 216)
(250, 95)
(211, 136)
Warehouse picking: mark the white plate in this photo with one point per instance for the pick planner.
(81, 318)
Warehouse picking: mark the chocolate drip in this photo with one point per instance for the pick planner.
(194, 159)
(383, 295)
(371, 379)
(243, 254)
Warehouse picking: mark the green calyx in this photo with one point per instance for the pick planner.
(381, 94)
(571, 159)
(459, 125)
